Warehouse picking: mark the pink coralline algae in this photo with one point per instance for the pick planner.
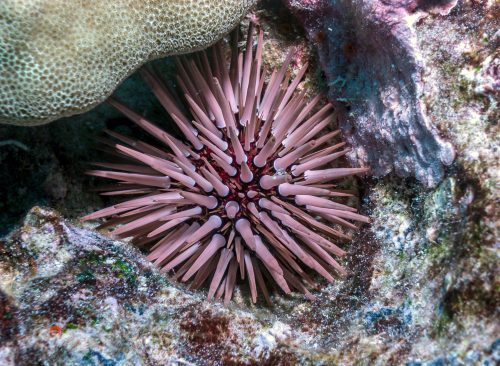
(247, 192)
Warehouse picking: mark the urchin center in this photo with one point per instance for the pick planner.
(247, 183)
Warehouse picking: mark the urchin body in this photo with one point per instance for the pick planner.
(246, 192)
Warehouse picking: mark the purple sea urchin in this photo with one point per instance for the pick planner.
(246, 190)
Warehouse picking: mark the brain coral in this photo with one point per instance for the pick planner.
(62, 57)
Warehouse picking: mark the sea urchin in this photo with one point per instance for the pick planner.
(246, 191)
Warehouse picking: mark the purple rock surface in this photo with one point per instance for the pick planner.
(375, 75)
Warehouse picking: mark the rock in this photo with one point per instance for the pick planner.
(71, 296)
(374, 70)
(59, 58)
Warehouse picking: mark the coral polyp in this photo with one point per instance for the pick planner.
(245, 190)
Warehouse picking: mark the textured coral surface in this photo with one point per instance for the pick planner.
(60, 57)
(423, 281)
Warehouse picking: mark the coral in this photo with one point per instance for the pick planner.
(373, 66)
(59, 58)
(229, 198)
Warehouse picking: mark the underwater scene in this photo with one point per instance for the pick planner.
(245, 182)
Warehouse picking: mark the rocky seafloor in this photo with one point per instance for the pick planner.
(419, 86)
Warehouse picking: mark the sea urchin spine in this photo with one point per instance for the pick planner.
(247, 191)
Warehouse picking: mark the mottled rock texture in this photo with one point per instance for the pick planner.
(374, 68)
(71, 296)
(60, 57)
